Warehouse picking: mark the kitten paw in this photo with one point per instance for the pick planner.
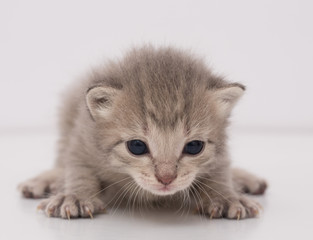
(69, 206)
(45, 184)
(254, 187)
(236, 209)
(246, 182)
(244, 208)
(34, 189)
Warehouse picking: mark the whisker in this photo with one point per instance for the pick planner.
(183, 201)
(150, 205)
(94, 195)
(136, 194)
(232, 187)
(195, 199)
(198, 198)
(211, 171)
(186, 203)
(141, 207)
(134, 187)
(189, 201)
(129, 200)
(224, 184)
(203, 190)
(123, 194)
(125, 185)
(214, 190)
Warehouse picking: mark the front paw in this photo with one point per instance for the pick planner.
(70, 206)
(236, 208)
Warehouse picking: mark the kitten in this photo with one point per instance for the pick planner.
(151, 125)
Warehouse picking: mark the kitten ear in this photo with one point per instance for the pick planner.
(100, 100)
(226, 98)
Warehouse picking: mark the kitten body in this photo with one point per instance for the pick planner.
(165, 98)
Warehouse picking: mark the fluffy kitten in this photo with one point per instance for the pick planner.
(149, 126)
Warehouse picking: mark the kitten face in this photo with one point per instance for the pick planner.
(164, 169)
(166, 101)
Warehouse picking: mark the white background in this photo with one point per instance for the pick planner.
(266, 45)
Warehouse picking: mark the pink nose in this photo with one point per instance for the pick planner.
(167, 179)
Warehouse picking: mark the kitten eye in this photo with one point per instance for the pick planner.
(193, 147)
(137, 147)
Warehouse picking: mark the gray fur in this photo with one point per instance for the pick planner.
(165, 97)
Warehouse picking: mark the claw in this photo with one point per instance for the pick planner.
(238, 214)
(260, 206)
(89, 212)
(68, 213)
(39, 207)
(212, 214)
(50, 211)
(255, 211)
(214, 211)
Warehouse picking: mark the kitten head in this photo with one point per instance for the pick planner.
(160, 117)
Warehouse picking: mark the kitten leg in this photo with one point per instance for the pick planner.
(48, 182)
(79, 198)
(220, 200)
(246, 182)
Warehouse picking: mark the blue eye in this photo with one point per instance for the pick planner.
(137, 147)
(193, 147)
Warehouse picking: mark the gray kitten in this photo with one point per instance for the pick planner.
(151, 126)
